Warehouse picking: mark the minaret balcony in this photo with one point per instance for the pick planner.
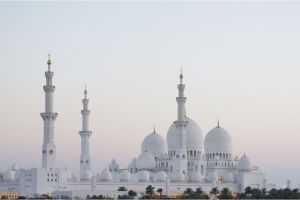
(49, 115)
(49, 88)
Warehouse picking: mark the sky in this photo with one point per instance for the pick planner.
(240, 62)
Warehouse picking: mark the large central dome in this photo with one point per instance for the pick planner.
(155, 144)
(194, 136)
(218, 140)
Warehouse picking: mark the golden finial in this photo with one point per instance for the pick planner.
(49, 60)
(85, 91)
(181, 75)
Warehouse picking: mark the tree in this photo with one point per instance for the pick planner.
(122, 188)
(255, 193)
(159, 190)
(248, 191)
(189, 192)
(214, 191)
(150, 190)
(225, 194)
(132, 193)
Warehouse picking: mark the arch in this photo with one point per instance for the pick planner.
(202, 170)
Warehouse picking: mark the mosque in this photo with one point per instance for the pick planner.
(184, 160)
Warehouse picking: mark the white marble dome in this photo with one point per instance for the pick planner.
(160, 176)
(9, 175)
(244, 164)
(105, 175)
(124, 175)
(195, 176)
(86, 175)
(155, 144)
(217, 140)
(145, 161)
(229, 177)
(213, 176)
(143, 176)
(194, 136)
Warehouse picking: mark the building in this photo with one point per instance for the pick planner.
(184, 160)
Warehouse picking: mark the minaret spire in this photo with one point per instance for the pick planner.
(85, 133)
(48, 148)
(179, 158)
(49, 62)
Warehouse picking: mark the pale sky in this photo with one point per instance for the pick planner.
(240, 60)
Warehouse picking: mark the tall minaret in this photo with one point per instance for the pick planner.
(85, 159)
(180, 158)
(49, 151)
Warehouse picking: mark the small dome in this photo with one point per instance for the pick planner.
(155, 144)
(229, 177)
(143, 176)
(86, 175)
(244, 164)
(160, 176)
(194, 136)
(178, 177)
(145, 161)
(213, 176)
(9, 175)
(105, 175)
(217, 140)
(124, 175)
(195, 176)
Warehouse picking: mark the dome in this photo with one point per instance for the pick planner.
(244, 164)
(155, 144)
(160, 176)
(195, 176)
(143, 176)
(178, 177)
(124, 175)
(85, 175)
(217, 140)
(145, 161)
(213, 176)
(105, 175)
(9, 175)
(194, 136)
(229, 177)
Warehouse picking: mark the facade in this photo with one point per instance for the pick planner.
(184, 160)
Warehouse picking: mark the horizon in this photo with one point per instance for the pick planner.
(243, 70)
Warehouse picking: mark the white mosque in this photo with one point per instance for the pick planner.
(183, 161)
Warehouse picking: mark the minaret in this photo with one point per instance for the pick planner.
(48, 149)
(85, 159)
(180, 159)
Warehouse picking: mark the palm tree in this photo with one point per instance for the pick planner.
(226, 194)
(122, 188)
(188, 192)
(132, 193)
(248, 191)
(159, 190)
(150, 190)
(214, 191)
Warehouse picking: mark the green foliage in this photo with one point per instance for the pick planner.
(271, 194)
(150, 190)
(122, 188)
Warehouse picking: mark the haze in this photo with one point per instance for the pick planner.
(240, 62)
